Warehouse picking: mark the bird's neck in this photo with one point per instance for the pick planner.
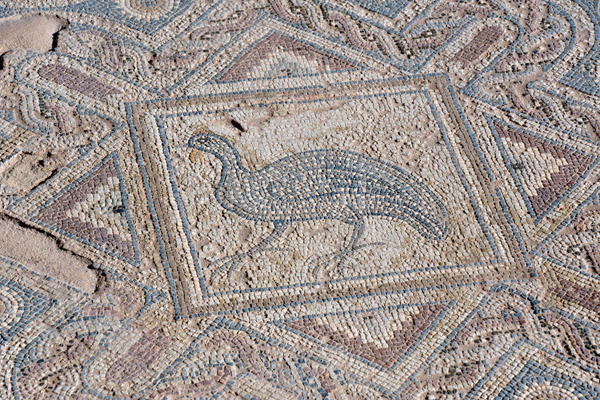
(233, 170)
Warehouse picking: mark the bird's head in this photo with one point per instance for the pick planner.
(205, 141)
(211, 143)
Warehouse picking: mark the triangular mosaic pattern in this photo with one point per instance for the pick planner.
(542, 170)
(278, 56)
(363, 335)
(94, 209)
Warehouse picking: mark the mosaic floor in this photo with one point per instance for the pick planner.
(299, 199)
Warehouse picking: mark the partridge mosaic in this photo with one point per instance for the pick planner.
(299, 199)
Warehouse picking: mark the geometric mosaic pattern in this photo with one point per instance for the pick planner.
(94, 209)
(543, 170)
(20, 306)
(372, 342)
(300, 199)
(279, 56)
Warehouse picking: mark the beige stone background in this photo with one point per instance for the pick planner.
(487, 103)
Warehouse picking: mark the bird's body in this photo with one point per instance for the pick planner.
(329, 184)
(323, 184)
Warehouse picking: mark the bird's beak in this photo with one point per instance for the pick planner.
(196, 155)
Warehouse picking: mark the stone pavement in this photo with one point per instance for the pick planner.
(299, 199)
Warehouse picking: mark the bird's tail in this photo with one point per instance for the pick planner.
(425, 212)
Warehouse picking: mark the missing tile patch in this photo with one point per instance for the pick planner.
(44, 254)
(33, 32)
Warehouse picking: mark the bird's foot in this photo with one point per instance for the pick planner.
(324, 263)
(273, 249)
(225, 267)
(363, 246)
(339, 258)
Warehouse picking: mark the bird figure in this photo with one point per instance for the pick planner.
(319, 185)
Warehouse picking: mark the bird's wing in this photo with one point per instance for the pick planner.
(323, 174)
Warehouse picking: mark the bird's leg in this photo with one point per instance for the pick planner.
(341, 255)
(359, 228)
(231, 263)
(280, 228)
(228, 265)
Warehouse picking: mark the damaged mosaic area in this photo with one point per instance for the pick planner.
(299, 199)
